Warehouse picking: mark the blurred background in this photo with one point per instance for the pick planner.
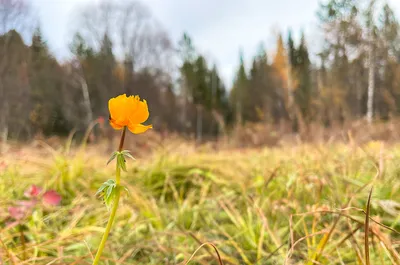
(272, 121)
(207, 69)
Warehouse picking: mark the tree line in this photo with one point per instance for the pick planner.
(120, 48)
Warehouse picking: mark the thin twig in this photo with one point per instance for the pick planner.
(202, 245)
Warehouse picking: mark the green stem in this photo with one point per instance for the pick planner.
(22, 237)
(108, 228)
(115, 205)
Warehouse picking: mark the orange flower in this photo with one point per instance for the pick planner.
(128, 111)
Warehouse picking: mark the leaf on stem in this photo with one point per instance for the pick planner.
(107, 191)
(121, 161)
(112, 157)
(127, 153)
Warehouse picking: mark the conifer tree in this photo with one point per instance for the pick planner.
(303, 76)
(283, 81)
(45, 80)
(239, 93)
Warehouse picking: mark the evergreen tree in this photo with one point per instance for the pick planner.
(218, 92)
(388, 99)
(261, 94)
(201, 94)
(282, 80)
(15, 100)
(107, 84)
(220, 108)
(79, 48)
(291, 50)
(343, 32)
(39, 47)
(303, 76)
(239, 93)
(269, 101)
(201, 91)
(188, 55)
(45, 80)
(187, 78)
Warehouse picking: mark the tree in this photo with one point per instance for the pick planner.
(14, 86)
(261, 88)
(45, 78)
(239, 91)
(129, 29)
(282, 78)
(386, 56)
(134, 32)
(342, 29)
(291, 50)
(107, 85)
(299, 80)
(201, 89)
(371, 59)
(83, 55)
(187, 79)
(218, 99)
(303, 76)
(15, 16)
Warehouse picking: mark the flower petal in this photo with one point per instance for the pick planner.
(32, 191)
(118, 109)
(128, 111)
(141, 113)
(139, 128)
(16, 212)
(115, 125)
(51, 197)
(27, 204)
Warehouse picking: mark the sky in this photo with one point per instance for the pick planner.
(219, 28)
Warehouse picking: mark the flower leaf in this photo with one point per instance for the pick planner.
(107, 191)
(127, 153)
(110, 182)
(102, 188)
(121, 161)
(110, 195)
(113, 155)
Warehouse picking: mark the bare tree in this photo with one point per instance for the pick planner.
(77, 79)
(14, 15)
(135, 34)
(371, 61)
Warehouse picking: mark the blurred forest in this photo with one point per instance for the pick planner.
(121, 48)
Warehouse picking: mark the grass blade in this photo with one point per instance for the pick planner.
(366, 227)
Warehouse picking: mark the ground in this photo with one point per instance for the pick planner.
(290, 204)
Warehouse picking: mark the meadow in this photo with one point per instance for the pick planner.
(288, 204)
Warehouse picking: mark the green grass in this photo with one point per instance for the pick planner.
(265, 206)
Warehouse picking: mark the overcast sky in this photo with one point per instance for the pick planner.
(219, 28)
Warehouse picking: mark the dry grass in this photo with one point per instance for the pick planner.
(292, 204)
